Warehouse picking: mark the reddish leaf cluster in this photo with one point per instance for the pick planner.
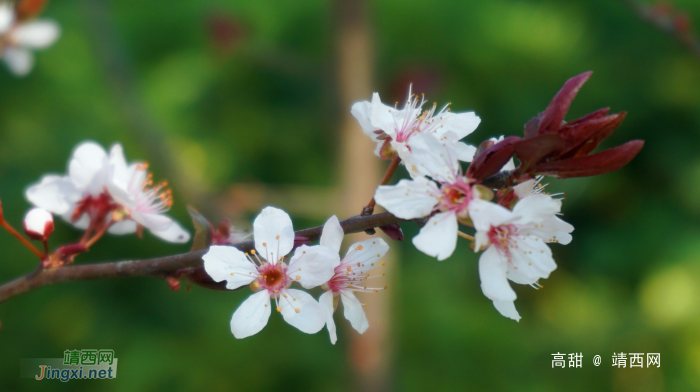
(556, 148)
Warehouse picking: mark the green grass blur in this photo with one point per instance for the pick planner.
(262, 108)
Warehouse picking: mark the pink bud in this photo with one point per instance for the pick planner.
(38, 224)
(393, 231)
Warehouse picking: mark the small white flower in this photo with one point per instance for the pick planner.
(80, 197)
(97, 185)
(38, 224)
(17, 39)
(385, 124)
(350, 276)
(421, 197)
(266, 271)
(515, 247)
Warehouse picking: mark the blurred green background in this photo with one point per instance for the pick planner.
(214, 93)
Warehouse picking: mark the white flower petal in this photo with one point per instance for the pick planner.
(492, 272)
(153, 222)
(434, 158)
(524, 189)
(119, 171)
(385, 117)
(438, 238)
(123, 227)
(229, 264)
(361, 112)
(366, 253)
(507, 308)
(174, 233)
(252, 316)
(19, 60)
(302, 311)
(531, 260)
(352, 310)
(462, 124)
(54, 193)
(536, 209)
(408, 199)
(87, 168)
(326, 301)
(37, 34)
(273, 233)
(332, 234)
(313, 266)
(486, 214)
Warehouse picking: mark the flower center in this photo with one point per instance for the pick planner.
(502, 237)
(353, 272)
(273, 277)
(97, 208)
(456, 196)
(417, 122)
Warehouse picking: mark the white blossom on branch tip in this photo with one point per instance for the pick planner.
(350, 277)
(266, 272)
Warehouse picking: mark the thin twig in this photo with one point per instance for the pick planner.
(369, 208)
(162, 266)
(23, 240)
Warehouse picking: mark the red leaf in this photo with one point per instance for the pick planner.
(575, 137)
(533, 150)
(531, 126)
(553, 116)
(591, 165)
(493, 158)
(601, 135)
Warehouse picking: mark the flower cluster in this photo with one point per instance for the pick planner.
(101, 193)
(270, 277)
(512, 217)
(19, 35)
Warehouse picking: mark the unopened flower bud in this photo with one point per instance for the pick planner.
(393, 231)
(38, 224)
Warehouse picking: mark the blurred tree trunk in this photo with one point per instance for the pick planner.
(360, 172)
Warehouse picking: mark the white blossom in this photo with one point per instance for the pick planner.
(350, 277)
(421, 197)
(392, 128)
(515, 248)
(98, 185)
(271, 278)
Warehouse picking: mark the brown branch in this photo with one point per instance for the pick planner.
(162, 266)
